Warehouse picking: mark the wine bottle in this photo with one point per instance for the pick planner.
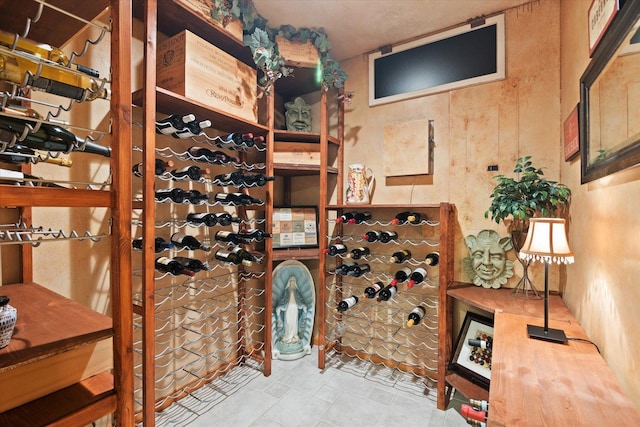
(249, 256)
(50, 137)
(344, 269)
(387, 236)
(185, 241)
(344, 218)
(359, 217)
(230, 257)
(179, 195)
(387, 293)
(160, 167)
(257, 180)
(416, 277)
(192, 172)
(236, 199)
(415, 316)
(371, 236)
(485, 344)
(372, 291)
(336, 249)
(239, 179)
(235, 141)
(359, 270)
(21, 155)
(469, 412)
(227, 236)
(22, 70)
(432, 259)
(191, 129)
(205, 218)
(401, 275)
(225, 219)
(476, 423)
(43, 51)
(192, 264)
(167, 265)
(404, 217)
(173, 123)
(358, 253)
(13, 177)
(202, 154)
(479, 404)
(232, 178)
(159, 244)
(253, 235)
(346, 304)
(400, 256)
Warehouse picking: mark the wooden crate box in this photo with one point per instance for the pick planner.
(190, 66)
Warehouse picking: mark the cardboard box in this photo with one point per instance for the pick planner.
(202, 8)
(190, 66)
(302, 153)
(296, 54)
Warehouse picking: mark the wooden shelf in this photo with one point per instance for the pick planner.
(390, 206)
(79, 404)
(285, 254)
(12, 195)
(302, 82)
(298, 169)
(48, 324)
(467, 388)
(54, 28)
(168, 102)
(175, 18)
(295, 136)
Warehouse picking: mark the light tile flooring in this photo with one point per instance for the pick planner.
(348, 392)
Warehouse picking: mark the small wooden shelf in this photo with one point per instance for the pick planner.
(295, 136)
(466, 387)
(78, 404)
(297, 169)
(285, 254)
(390, 206)
(12, 195)
(48, 324)
(169, 102)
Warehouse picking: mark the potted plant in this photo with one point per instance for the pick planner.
(515, 201)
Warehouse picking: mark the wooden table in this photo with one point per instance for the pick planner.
(540, 383)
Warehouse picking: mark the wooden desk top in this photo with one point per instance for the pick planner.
(539, 383)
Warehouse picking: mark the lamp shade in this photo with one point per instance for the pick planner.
(547, 241)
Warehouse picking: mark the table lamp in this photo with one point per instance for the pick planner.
(547, 242)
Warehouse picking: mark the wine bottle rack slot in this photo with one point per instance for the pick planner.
(34, 236)
(360, 241)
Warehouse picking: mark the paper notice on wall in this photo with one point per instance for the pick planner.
(406, 148)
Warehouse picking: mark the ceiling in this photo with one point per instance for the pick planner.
(355, 27)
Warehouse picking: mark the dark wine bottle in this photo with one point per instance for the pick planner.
(230, 256)
(227, 236)
(387, 293)
(358, 253)
(257, 180)
(416, 277)
(197, 198)
(236, 199)
(20, 155)
(232, 178)
(387, 236)
(344, 269)
(205, 218)
(235, 141)
(253, 235)
(50, 137)
(192, 264)
(400, 256)
(225, 219)
(401, 275)
(202, 154)
(182, 240)
(359, 270)
(191, 129)
(404, 217)
(159, 244)
(481, 343)
(346, 304)
(372, 291)
(179, 195)
(336, 249)
(192, 172)
(359, 218)
(432, 259)
(160, 167)
(415, 316)
(174, 123)
(344, 218)
(371, 236)
(167, 265)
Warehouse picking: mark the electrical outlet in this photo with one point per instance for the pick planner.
(492, 168)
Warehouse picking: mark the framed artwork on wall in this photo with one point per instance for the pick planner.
(470, 360)
(571, 135)
(601, 13)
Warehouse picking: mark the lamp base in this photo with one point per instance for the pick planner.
(553, 335)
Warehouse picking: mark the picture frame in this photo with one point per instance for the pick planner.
(601, 14)
(295, 227)
(571, 135)
(473, 327)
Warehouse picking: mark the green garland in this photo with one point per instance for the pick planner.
(261, 40)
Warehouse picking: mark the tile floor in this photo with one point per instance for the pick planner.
(348, 392)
